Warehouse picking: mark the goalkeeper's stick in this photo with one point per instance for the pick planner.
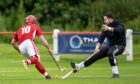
(69, 73)
(65, 76)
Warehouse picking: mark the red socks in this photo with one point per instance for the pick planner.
(40, 68)
(32, 60)
(38, 65)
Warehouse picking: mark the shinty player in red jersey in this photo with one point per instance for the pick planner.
(24, 44)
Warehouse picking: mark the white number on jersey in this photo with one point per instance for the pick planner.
(26, 29)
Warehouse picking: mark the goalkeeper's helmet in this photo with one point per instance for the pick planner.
(31, 19)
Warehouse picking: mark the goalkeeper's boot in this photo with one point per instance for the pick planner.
(73, 65)
(25, 65)
(115, 76)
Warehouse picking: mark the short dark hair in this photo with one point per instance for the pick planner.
(108, 15)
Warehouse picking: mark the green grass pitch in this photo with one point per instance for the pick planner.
(12, 72)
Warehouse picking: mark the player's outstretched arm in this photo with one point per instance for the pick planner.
(15, 45)
(45, 43)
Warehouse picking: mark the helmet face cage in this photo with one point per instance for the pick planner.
(31, 19)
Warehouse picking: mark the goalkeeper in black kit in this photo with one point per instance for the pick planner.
(115, 32)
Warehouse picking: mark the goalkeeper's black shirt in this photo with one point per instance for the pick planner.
(117, 37)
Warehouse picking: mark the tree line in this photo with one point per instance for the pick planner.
(68, 15)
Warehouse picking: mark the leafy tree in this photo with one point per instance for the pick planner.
(67, 15)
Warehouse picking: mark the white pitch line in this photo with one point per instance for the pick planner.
(15, 71)
(101, 76)
(121, 76)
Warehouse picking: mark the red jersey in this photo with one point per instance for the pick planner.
(28, 31)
